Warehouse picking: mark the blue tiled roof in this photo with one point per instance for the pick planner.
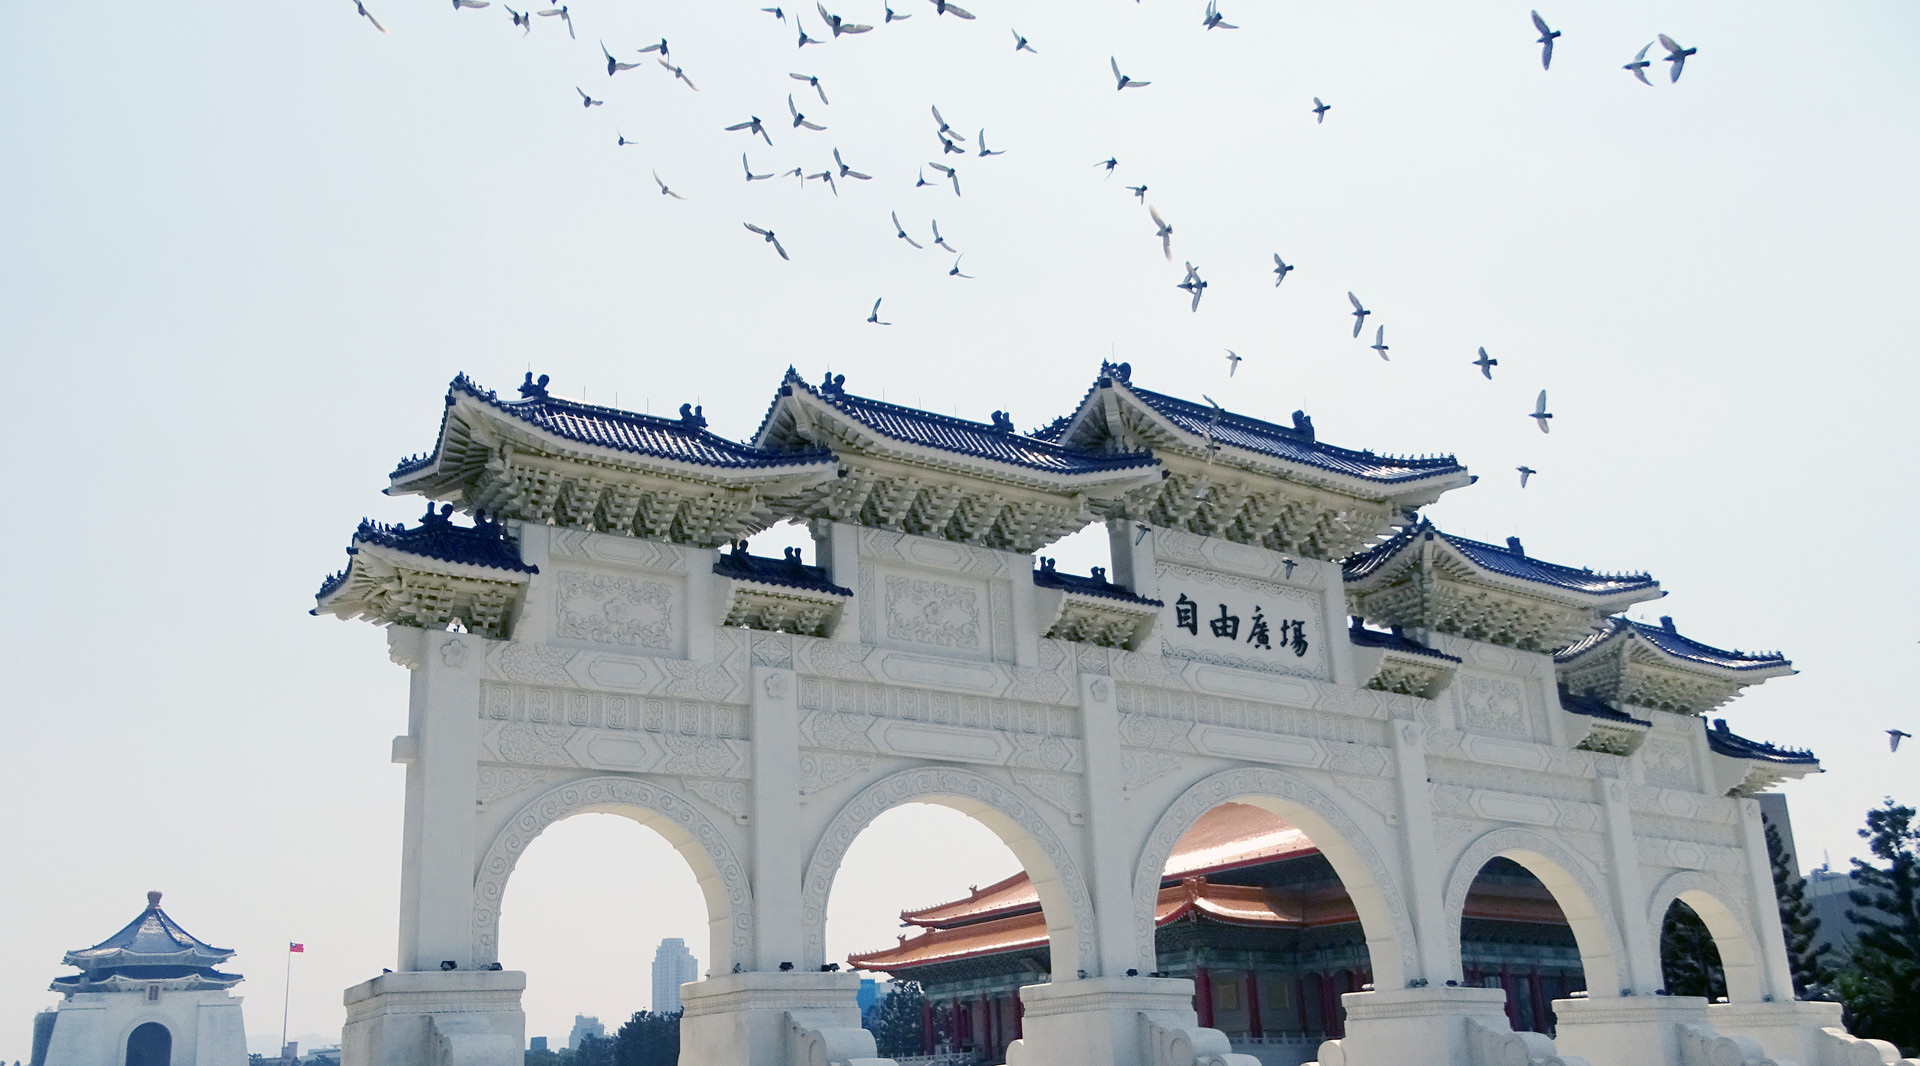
(1510, 561)
(485, 543)
(1395, 641)
(1594, 707)
(1725, 742)
(790, 571)
(997, 442)
(1047, 577)
(684, 439)
(1671, 642)
(1296, 443)
(153, 936)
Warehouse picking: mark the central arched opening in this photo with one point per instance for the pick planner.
(1254, 910)
(150, 1044)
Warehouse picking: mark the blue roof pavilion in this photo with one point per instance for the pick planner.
(152, 949)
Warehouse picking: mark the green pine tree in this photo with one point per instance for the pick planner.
(898, 1019)
(648, 1039)
(1810, 974)
(1881, 983)
(1689, 959)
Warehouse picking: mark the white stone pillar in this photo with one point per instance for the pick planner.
(440, 750)
(1111, 947)
(1426, 881)
(837, 547)
(1331, 580)
(1639, 970)
(1130, 545)
(778, 836)
(1776, 972)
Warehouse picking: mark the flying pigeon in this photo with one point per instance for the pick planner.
(1196, 286)
(776, 13)
(951, 173)
(847, 171)
(664, 191)
(614, 65)
(837, 24)
(681, 74)
(1233, 358)
(1380, 343)
(620, 139)
(665, 52)
(1280, 270)
(891, 17)
(768, 234)
(813, 80)
(1320, 111)
(1121, 80)
(1486, 364)
(1020, 44)
(522, 19)
(1638, 68)
(800, 119)
(752, 125)
(585, 100)
(1139, 191)
(874, 316)
(560, 12)
(1359, 314)
(804, 39)
(1546, 40)
(1894, 736)
(922, 179)
(942, 241)
(901, 231)
(458, 4)
(365, 14)
(955, 271)
(984, 152)
(1525, 473)
(1214, 20)
(947, 147)
(1165, 232)
(1676, 55)
(946, 130)
(1540, 414)
(1110, 163)
(826, 176)
(941, 7)
(751, 176)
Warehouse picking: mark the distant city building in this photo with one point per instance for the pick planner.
(585, 1027)
(872, 993)
(146, 996)
(673, 966)
(538, 1043)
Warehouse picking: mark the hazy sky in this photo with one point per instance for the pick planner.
(247, 245)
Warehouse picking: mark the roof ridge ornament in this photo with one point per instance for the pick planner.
(534, 390)
(1121, 372)
(1303, 424)
(691, 416)
(833, 384)
(1002, 422)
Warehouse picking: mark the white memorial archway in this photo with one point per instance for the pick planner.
(591, 639)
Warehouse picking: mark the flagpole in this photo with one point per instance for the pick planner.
(286, 992)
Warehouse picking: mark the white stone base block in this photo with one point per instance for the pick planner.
(436, 1018)
(774, 1019)
(1438, 1025)
(1628, 1031)
(1117, 1021)
(93, 1027)
(1792, 1031)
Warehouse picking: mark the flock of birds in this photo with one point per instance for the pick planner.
(953, 142)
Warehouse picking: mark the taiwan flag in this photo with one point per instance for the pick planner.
(297, 947)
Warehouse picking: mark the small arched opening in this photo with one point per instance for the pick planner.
(1707, 946)
(150, 1044)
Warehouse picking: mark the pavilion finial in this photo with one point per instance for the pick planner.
(1666, 623)
(1513, 545)
(533, 390)
(153, 900)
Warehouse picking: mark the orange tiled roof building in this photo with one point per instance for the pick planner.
(1254, 915)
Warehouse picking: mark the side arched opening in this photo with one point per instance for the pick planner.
(970, 955)
(1707, 946)
(1528, 915)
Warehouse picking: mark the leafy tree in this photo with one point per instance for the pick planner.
(1881, 983)
(897, 1020)
(596, 1051)
(648, 1039)
(1689, 959)
(1810, 973)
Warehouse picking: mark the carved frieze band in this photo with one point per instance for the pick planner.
(580, 707)
(526, 662)
(1250, 716)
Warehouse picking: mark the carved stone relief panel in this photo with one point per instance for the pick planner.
(1494, 705)
(920, 612)
(618, 611)
(1669, 763)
